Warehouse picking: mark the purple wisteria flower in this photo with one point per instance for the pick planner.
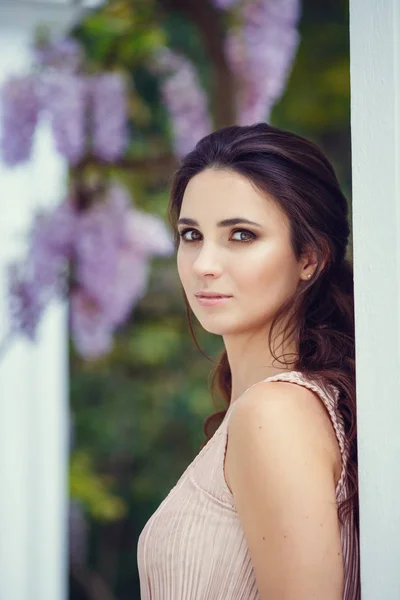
(100, 234)
(185, 99)
(26, 300)
(147, 234)
(79, 107)
(93, 322)
(64, 54)
(42, 276)
(224, 4)
(111, 275)
(109, 116)
(19, 116)
(91, 333)
(104, 250)
(261, 55)
(130, 286)
(64, 97)
(51, 243)
(114, 243)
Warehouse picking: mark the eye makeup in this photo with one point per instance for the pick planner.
(252, 235)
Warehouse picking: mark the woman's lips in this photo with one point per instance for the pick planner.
(212, 300)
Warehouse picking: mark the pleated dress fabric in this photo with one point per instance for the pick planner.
(193, 546)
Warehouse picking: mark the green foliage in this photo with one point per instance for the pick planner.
(316, 102)
(92, 490)
(121, 34)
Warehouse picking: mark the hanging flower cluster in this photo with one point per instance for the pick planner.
(185, 99)
(64, 54)
(98, 256)
(109, 119)
(261, 54)
(20, 110)
(88, 113)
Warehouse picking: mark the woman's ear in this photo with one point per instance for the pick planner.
(308, 262)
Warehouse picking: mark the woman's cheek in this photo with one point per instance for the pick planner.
(179, 262)
(254, 269)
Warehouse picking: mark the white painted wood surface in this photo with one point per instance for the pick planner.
(375, 122)
(33, 378)
(33, 384)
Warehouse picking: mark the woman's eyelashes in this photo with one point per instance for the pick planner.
(249, 235)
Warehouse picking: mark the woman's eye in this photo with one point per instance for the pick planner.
(248, 235)
(188, 238)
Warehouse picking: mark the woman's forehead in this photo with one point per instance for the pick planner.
(216, 194)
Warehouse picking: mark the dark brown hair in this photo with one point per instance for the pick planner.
(320, 314)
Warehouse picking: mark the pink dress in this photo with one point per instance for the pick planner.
(193, 546)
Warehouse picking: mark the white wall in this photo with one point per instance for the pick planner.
(375, 121)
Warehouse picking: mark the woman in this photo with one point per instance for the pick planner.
(268, 509)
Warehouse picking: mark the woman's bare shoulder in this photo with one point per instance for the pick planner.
(282, 479)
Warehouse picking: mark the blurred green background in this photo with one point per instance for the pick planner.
(138, 413)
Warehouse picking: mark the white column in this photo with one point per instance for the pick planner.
(375, 122)
(33, 384)
(33, 378)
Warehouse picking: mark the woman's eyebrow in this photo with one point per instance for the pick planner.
(224, 223)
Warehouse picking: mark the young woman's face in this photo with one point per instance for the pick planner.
(252, 263)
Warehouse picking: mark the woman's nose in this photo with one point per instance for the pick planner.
(207, 261)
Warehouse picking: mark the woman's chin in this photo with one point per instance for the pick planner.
(217, 326)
